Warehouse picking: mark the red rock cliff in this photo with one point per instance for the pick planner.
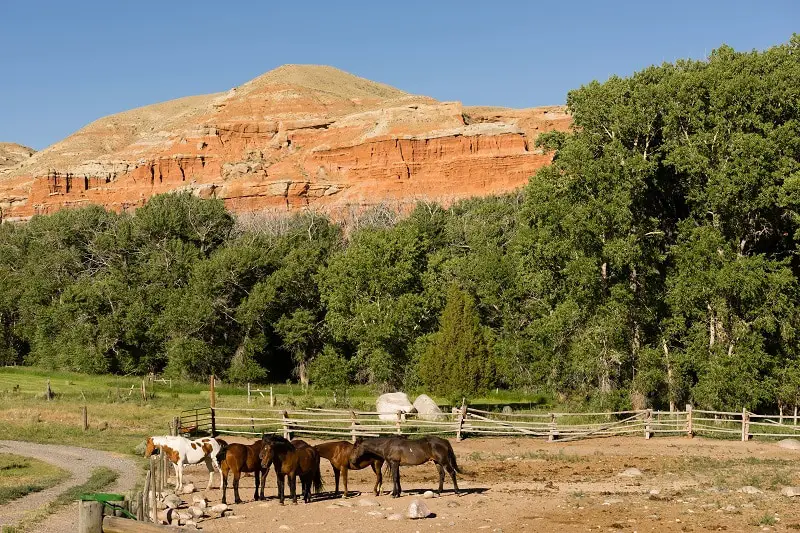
(296, 136)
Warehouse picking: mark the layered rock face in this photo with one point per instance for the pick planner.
(298, 136)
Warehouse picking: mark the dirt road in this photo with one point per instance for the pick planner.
(79, 462)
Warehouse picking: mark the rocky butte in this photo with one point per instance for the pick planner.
(298, 136)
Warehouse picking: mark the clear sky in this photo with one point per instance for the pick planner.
(64, 64)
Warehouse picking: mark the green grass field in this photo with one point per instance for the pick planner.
(20, 476)
(119, 418)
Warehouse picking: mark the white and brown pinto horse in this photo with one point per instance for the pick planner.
(181, 451)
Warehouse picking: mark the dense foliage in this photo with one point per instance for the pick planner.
(654, 263)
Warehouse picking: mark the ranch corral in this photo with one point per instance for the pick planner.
(524, 484)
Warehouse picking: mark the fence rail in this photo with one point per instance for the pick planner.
(465, 421)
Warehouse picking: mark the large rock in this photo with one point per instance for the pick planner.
(388, 404)
(418, 509)
(427, 408)
(790, 492)
(299, 136)
(789, 444)
(172, 502)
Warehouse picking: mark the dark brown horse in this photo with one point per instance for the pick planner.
(238, 458)
(338, 453)
(292, 459)
(398, 451)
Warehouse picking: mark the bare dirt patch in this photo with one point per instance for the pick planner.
(531, 485)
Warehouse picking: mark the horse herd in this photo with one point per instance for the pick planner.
(297, 458)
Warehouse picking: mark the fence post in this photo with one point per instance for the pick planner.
(152, 506)
(271, 398)
(553, 430)
(248, 393)
(794, 419)
(212, 393)
(213, 422)
(462, 414)
(163, 467)
(176, 426)
(353, 425)
(145, 501)
(286, 433)
(745, 425)
(85, 418)
(90, 517)
(397, 424)
(689, 428)
(647, 421)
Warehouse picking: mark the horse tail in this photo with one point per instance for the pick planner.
(387, 471)
(318, 486)
(223, 451)
(451, 454)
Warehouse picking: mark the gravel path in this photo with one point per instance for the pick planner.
(79, 462)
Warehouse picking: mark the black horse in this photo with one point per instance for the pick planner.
(398, 451)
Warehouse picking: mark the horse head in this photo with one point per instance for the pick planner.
(358, 450)
(151, 447)
(267, 453)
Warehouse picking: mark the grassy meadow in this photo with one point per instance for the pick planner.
(20, 476)
(119, 418)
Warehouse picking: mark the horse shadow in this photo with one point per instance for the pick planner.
(445, 492)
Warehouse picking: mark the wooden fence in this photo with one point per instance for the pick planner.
(466, 421)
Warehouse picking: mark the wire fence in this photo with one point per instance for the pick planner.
(466, 421)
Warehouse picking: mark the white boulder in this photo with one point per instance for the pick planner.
(418, 509)
(427, 408)
(387, 405)
(219, 508)
(789, 444)
(790, 492)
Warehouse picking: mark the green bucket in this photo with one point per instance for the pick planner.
(106, 498)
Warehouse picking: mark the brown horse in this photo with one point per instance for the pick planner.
(238, 458)
(292, 459)
(338, 453)
(398, 451)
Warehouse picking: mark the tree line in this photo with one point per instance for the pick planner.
(655, 262)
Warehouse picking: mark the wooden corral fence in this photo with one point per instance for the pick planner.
(466, 421)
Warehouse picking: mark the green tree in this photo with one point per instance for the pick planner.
(458, 359)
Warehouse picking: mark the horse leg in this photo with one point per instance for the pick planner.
(336, 479)
(263, 481)
(224, 483)
(256, 476)
(180, 477)
(210, 467)
(293, 487)
(378, 478)
(236, 475)
(344, 475)
(440, 468)
(453, 475)
(305, 488)
(175, 466)
(280, 485)
(395, 466)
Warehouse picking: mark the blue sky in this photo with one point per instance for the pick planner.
(65, 64)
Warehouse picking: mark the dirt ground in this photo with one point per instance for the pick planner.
(523, 485)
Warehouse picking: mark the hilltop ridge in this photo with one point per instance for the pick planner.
(296, 136)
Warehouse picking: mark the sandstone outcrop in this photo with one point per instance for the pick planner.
(297, 136)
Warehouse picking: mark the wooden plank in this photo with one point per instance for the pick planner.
(112, 524)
